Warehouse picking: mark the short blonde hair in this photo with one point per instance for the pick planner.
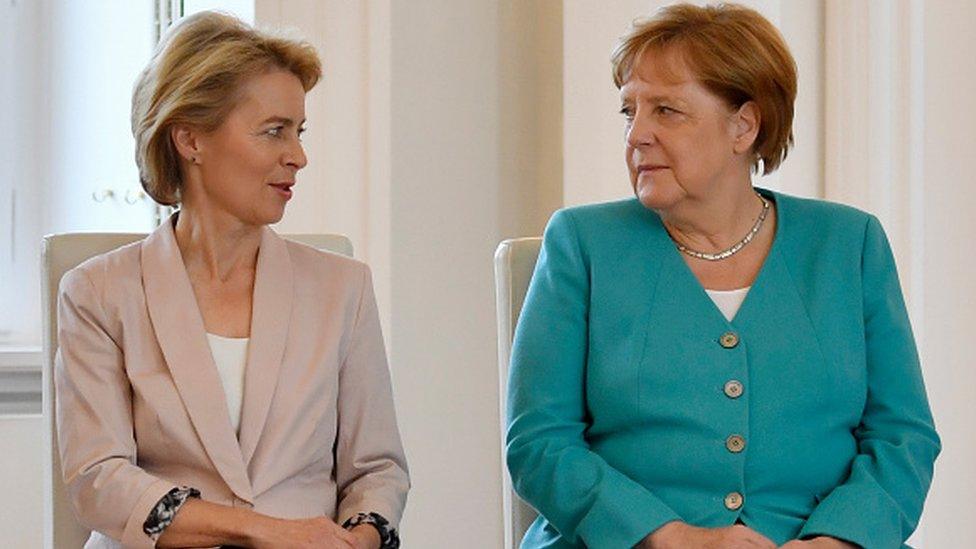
(194, 78)
(735, 53)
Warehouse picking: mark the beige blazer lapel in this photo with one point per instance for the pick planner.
(271, 309)
(182, 337)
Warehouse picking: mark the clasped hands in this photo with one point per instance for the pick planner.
(317, 533)
(678, 535)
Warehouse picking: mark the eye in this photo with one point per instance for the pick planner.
(628, 112)
(275, 131)
(301, 130)
(661, 109)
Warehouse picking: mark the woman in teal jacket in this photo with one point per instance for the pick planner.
(711, 364)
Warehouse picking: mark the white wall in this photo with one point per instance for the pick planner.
(20, 476)
(949, 287)
(445, 222)
(243, 9)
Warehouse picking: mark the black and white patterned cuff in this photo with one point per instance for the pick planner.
(165, 510)
(389, 538)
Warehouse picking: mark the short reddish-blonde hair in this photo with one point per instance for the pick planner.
(194, 78)
(736, 53)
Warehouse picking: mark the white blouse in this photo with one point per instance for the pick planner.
(230, 356)
(728, 301)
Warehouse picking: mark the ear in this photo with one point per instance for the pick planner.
(186, 139)
(745, 127)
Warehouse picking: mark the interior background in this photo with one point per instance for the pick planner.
(443, 127)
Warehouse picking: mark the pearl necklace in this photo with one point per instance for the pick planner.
(735, 247)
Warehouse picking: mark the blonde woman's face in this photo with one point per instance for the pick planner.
(249, 164)
(679, 136)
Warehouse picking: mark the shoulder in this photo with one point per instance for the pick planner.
(817, 234)
(615, 213)
(813, 215)
(603, 223)
(329, 283)
(324, 266)
(111, 269)
(824, 228)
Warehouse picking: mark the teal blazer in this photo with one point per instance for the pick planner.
(618, 417)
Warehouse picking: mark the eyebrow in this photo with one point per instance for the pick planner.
(280, 120)
(664, 99)
(655, 99)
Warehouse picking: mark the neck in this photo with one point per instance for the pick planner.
(216, 245)
(716, 221)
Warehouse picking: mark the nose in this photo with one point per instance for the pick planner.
(295, 155)
(640, 132)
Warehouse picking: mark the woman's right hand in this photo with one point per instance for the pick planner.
(313, 533)
(678, 535)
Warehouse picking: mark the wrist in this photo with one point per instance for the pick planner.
(254, 529)
(389, 539)
(368, 535)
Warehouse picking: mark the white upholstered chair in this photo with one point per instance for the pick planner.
(61, 253)
(514, 263)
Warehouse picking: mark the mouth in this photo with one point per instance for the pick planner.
(283, 188)
(650, 168)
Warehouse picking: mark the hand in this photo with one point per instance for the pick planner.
(820, 542)
(314, 533)
(678, 535)
(366, 537)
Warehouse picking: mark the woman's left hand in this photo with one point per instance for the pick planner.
(821, 542)
(366, 537)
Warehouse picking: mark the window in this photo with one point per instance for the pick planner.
(20, 173)
(66, 149)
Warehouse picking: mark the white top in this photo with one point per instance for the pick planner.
(728, 301)
(230, 356)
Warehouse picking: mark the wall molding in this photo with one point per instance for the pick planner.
(20, 380)
(874, 131)
(874, 122)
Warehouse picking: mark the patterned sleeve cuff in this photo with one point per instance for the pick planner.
(165, 510)
(389, 538)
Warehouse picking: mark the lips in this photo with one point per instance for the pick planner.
(650, 169)
(284, 188)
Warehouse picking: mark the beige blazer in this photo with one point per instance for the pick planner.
(141, 408)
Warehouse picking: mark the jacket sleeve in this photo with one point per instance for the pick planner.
(584, 498)
(880, 503)
(108, 491)
(371, 468)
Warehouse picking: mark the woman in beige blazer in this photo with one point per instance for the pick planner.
(216, 384)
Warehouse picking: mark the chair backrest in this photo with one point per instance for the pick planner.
(514, 263)
(60, 254)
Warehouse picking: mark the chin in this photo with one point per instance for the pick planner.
(272, 219)
(658, 196)
(268, 216)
